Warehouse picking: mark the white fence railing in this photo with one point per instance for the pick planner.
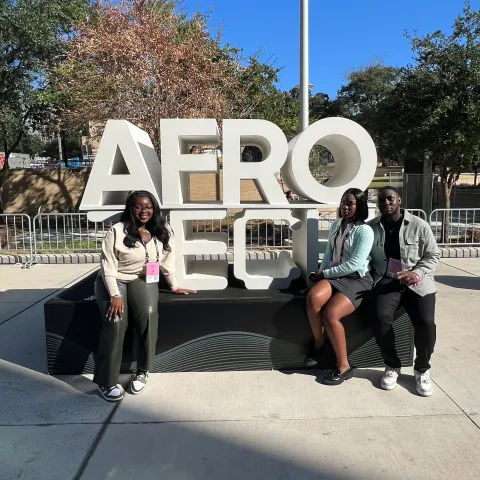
(67, 232)
(260, 234)
(418, 213)
(63, 233)
(456, 226)
(16, 235)
(72, 232)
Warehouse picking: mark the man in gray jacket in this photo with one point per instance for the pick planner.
(404, 257)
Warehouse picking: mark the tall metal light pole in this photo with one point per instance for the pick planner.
(304, 87)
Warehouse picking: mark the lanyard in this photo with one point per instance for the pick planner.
(337, 256)
(147, 257)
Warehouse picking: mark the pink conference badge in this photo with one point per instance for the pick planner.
(152, 272)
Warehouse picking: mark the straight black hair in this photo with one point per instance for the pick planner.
(157, 226)
(361, 203)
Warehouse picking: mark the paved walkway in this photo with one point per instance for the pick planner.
(239, 425)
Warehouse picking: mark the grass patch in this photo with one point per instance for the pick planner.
(70, 246)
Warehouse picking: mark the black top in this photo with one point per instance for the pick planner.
(392, 241)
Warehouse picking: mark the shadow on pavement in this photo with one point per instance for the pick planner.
(22, 327)
(460, 282)
(43, 418)
(167, 450)
(15, 302)
(406, 381)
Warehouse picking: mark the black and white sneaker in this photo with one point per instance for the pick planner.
(111, 394)
(139, 382)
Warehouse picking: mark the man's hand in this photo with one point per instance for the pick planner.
(183, 291)
(318, 276)
(115, 310)
(408, 278)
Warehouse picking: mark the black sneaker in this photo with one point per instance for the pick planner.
(335, 377)
(111, 394)
(139, 382)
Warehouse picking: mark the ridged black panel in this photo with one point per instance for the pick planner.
(234, 329)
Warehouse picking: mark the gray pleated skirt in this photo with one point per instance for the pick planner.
(353, 286)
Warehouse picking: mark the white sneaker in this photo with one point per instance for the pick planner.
(423, 383)
(389, 379)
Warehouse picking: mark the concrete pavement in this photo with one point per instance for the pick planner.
(238, 425)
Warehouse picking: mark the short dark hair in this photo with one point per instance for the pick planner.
(361, 203)
(389, 187)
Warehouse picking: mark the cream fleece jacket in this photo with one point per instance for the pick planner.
(126, 264)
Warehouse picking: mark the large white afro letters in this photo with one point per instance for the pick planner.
(126, 161)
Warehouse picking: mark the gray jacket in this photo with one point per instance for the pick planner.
(418, 249)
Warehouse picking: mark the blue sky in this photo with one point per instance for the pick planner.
(344, 34)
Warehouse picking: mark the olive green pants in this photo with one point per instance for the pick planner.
(140, 301)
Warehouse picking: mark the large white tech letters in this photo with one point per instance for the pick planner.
(126, 161)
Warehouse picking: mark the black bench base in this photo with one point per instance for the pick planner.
(233, 329)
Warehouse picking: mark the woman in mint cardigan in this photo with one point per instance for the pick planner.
(341, 282)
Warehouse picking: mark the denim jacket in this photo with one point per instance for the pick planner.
(418, 249)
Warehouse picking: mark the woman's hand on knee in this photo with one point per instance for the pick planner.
(115, 311)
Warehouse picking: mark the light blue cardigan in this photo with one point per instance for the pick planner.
(358, 259)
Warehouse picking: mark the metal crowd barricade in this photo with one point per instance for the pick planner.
(62, 233)
(456, 226)
(16, 236)
(266, 233)
(261, 233)
(325, 220)
(67, 233)
(418, 212)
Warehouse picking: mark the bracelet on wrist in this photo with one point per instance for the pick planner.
(115, 296)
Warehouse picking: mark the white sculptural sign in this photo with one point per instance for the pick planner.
(126, 161)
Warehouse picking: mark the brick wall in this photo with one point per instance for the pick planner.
(60, 189)
(209, 187)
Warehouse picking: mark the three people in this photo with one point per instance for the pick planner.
(343, 279)
(396, 248)
(134, 251)
(404, 257)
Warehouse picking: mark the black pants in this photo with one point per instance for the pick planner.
(387, 295)
(140, 301)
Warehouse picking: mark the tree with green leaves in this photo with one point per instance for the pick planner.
(363, 99)
(32, 38)
(436, 105)
(283, 109)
